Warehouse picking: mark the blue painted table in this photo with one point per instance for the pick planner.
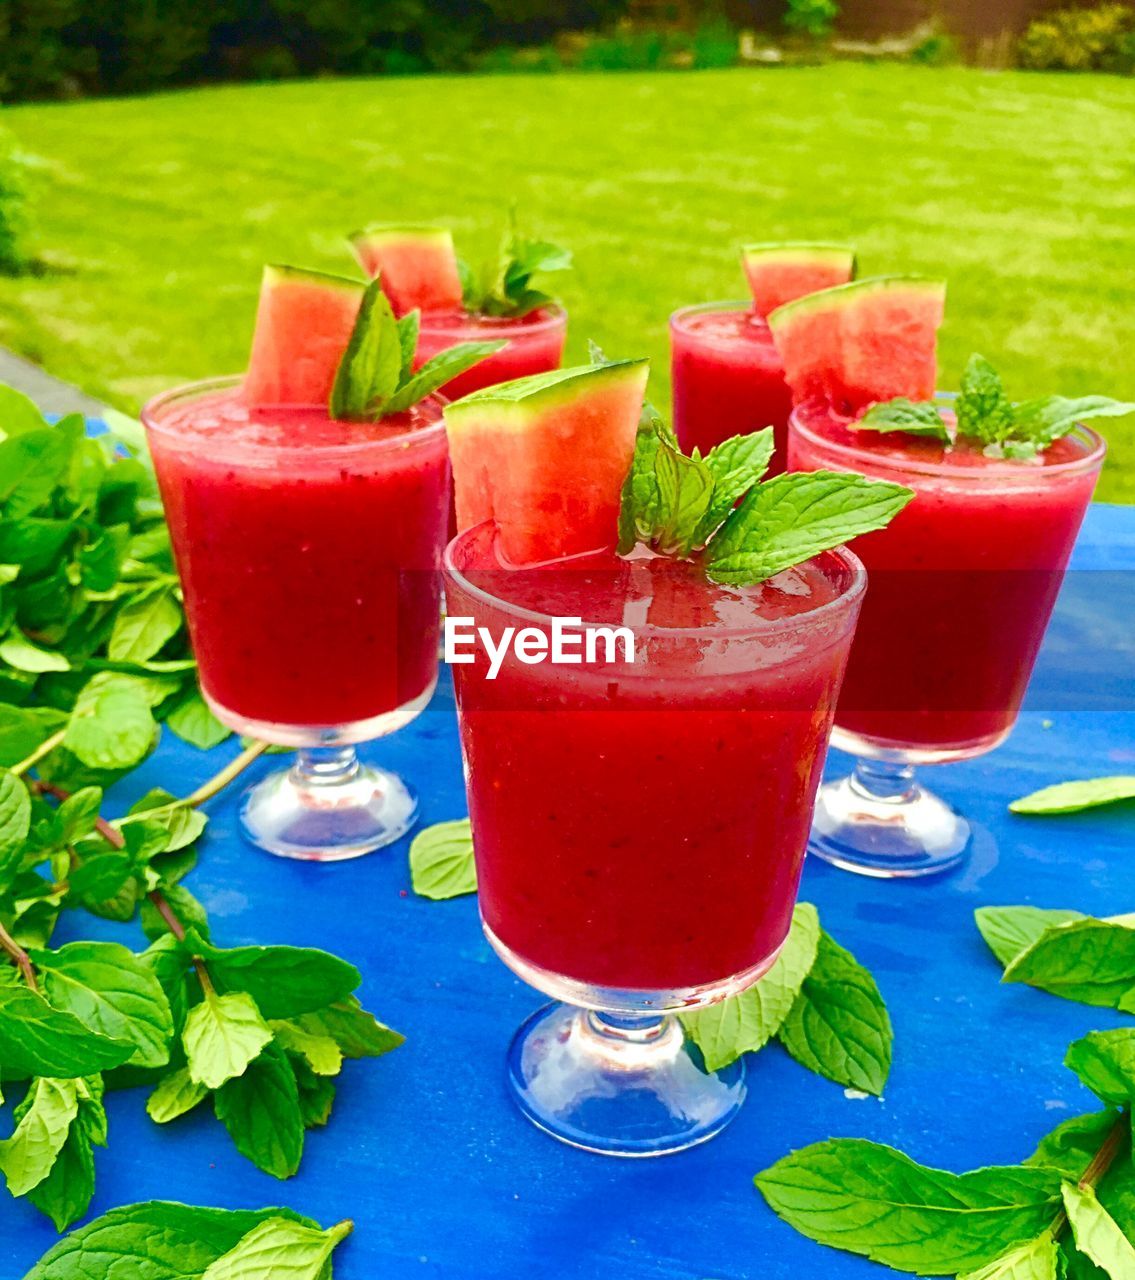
(444, 1179)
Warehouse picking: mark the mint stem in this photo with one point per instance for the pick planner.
(1110, 1149)
(19, 957)
(45, 748)
(209, 789)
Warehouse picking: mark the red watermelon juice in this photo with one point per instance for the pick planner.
(534, 343)
(642, 827)
(962, 582)
(727, 378)
(308, 550)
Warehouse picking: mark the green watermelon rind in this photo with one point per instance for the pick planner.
(541, 391)
(846, 295)
(278, 273)
(412, 232)
(803, 251)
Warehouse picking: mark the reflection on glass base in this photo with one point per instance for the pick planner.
(327, 807)
(622, 1086)
(880, 822)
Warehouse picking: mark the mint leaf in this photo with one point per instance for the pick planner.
(1092, 961)
(19, 652)
(872, 1200)
(911, 417)
(507, 288)
(38, 1040)
(110, 991)
(15, 823)
(685, 492)
(1105, 1062)
(435, 373)
(1071, 797)
(277, 1249)
(640, 509)
(261, 1111)
(283, 981)
(27, 1156)
(441, 860)
(157, 1240)
(318, 1050)
(194, 723)
(66, 1193)
(174, 1096)
(745, 1023)
(838, 1025)
(1036, 1260)
(371, 366)
(1045, 420)
(409, 326)
(1071, 1146)
(223, 1034)
(735, 465)
(795, 516)
(1012, 930)
(984, 411)
(111, 726)
(18, 412)
(316, 1093)
(144, 625)
(22, 729)
(1097, 1234)
(357, 1033)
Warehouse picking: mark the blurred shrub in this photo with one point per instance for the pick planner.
(937, 50)
(715, 44)
(813, 18)
(13, 209)
(1100, 39)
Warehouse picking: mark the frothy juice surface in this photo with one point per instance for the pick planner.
(535, 344)
(308, 551)
(727, 379)
(643, 827)
(962, 582)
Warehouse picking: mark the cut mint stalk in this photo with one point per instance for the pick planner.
(781, 273)
(416, 264)
(375, 377)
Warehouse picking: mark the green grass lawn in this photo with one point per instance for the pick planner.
(158, 212)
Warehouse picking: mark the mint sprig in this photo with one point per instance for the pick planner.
(504, 285)
(376, 378)
(985, 414)
(167, 1241)
(678, 504)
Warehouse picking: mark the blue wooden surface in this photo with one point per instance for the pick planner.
(444, 1179)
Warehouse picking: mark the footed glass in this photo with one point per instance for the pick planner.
(963, 582)
(639, 826)
(309, 553)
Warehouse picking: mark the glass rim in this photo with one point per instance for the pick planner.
(186, 392)
(724, 306)
(1010, 468)
(444, 322)
(847, 597)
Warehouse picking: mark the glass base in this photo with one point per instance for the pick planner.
(619, 1086)
(327, 807)
(880, 822)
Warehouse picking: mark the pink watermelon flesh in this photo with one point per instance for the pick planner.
(779, 274)
(861, 343)
(417, 267)
(303, 323)
(545, 457)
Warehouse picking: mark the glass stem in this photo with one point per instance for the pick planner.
(630, 1029)
(884, 781)
(318, 768)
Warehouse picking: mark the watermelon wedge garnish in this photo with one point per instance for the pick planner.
(303, 323)
(859, 343)
(545, 457)
(781, 273)
(416, 265)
